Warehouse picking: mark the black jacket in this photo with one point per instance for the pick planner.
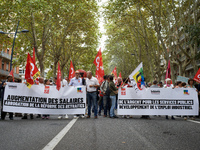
(2, 90)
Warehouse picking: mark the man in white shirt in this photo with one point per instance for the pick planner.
(91, 85)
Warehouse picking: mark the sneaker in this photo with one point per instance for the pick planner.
(59, 117)
(82, 116)
(75, 116)
(66, 116)
(185, 118)
(127, 116)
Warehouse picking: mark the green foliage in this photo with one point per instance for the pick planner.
(147, 30)
(60, 30)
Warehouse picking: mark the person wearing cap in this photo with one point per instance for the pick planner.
(3, 114)
(168, 83)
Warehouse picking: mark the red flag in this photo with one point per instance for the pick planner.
(12, 74)
(114, 72)
(197, 76)
(120, 75)
(98, 61)
(34, 54)
(168, 72)
(71, 71)
(58, 82)
(31, 72)
(99, 77)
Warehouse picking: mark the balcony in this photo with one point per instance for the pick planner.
(5, 55)
(5, 73)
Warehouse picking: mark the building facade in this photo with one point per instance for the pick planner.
(5, 57)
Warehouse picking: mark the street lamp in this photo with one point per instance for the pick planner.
(23, 31)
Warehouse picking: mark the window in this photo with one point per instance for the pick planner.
(7, 66)
(2, 65)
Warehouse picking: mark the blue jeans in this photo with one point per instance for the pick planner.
(113, 100)
(92, 100)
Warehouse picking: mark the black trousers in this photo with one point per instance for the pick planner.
(3, 114)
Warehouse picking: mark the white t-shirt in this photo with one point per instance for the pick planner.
(64, 82)
(92, 81)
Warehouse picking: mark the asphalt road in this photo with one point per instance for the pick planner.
(101, 134)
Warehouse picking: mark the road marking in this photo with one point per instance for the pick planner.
(52, 144)
(194, 121)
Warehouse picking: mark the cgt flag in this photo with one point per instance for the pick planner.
(58, 81)
(197, 76)
(99, 78)
(31, 72)
(98, 61)
(71, 71)
(138, 76)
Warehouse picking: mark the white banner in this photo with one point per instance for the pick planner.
(44, 99)
(158, 101)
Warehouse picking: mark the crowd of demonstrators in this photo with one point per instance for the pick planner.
(100, 96)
